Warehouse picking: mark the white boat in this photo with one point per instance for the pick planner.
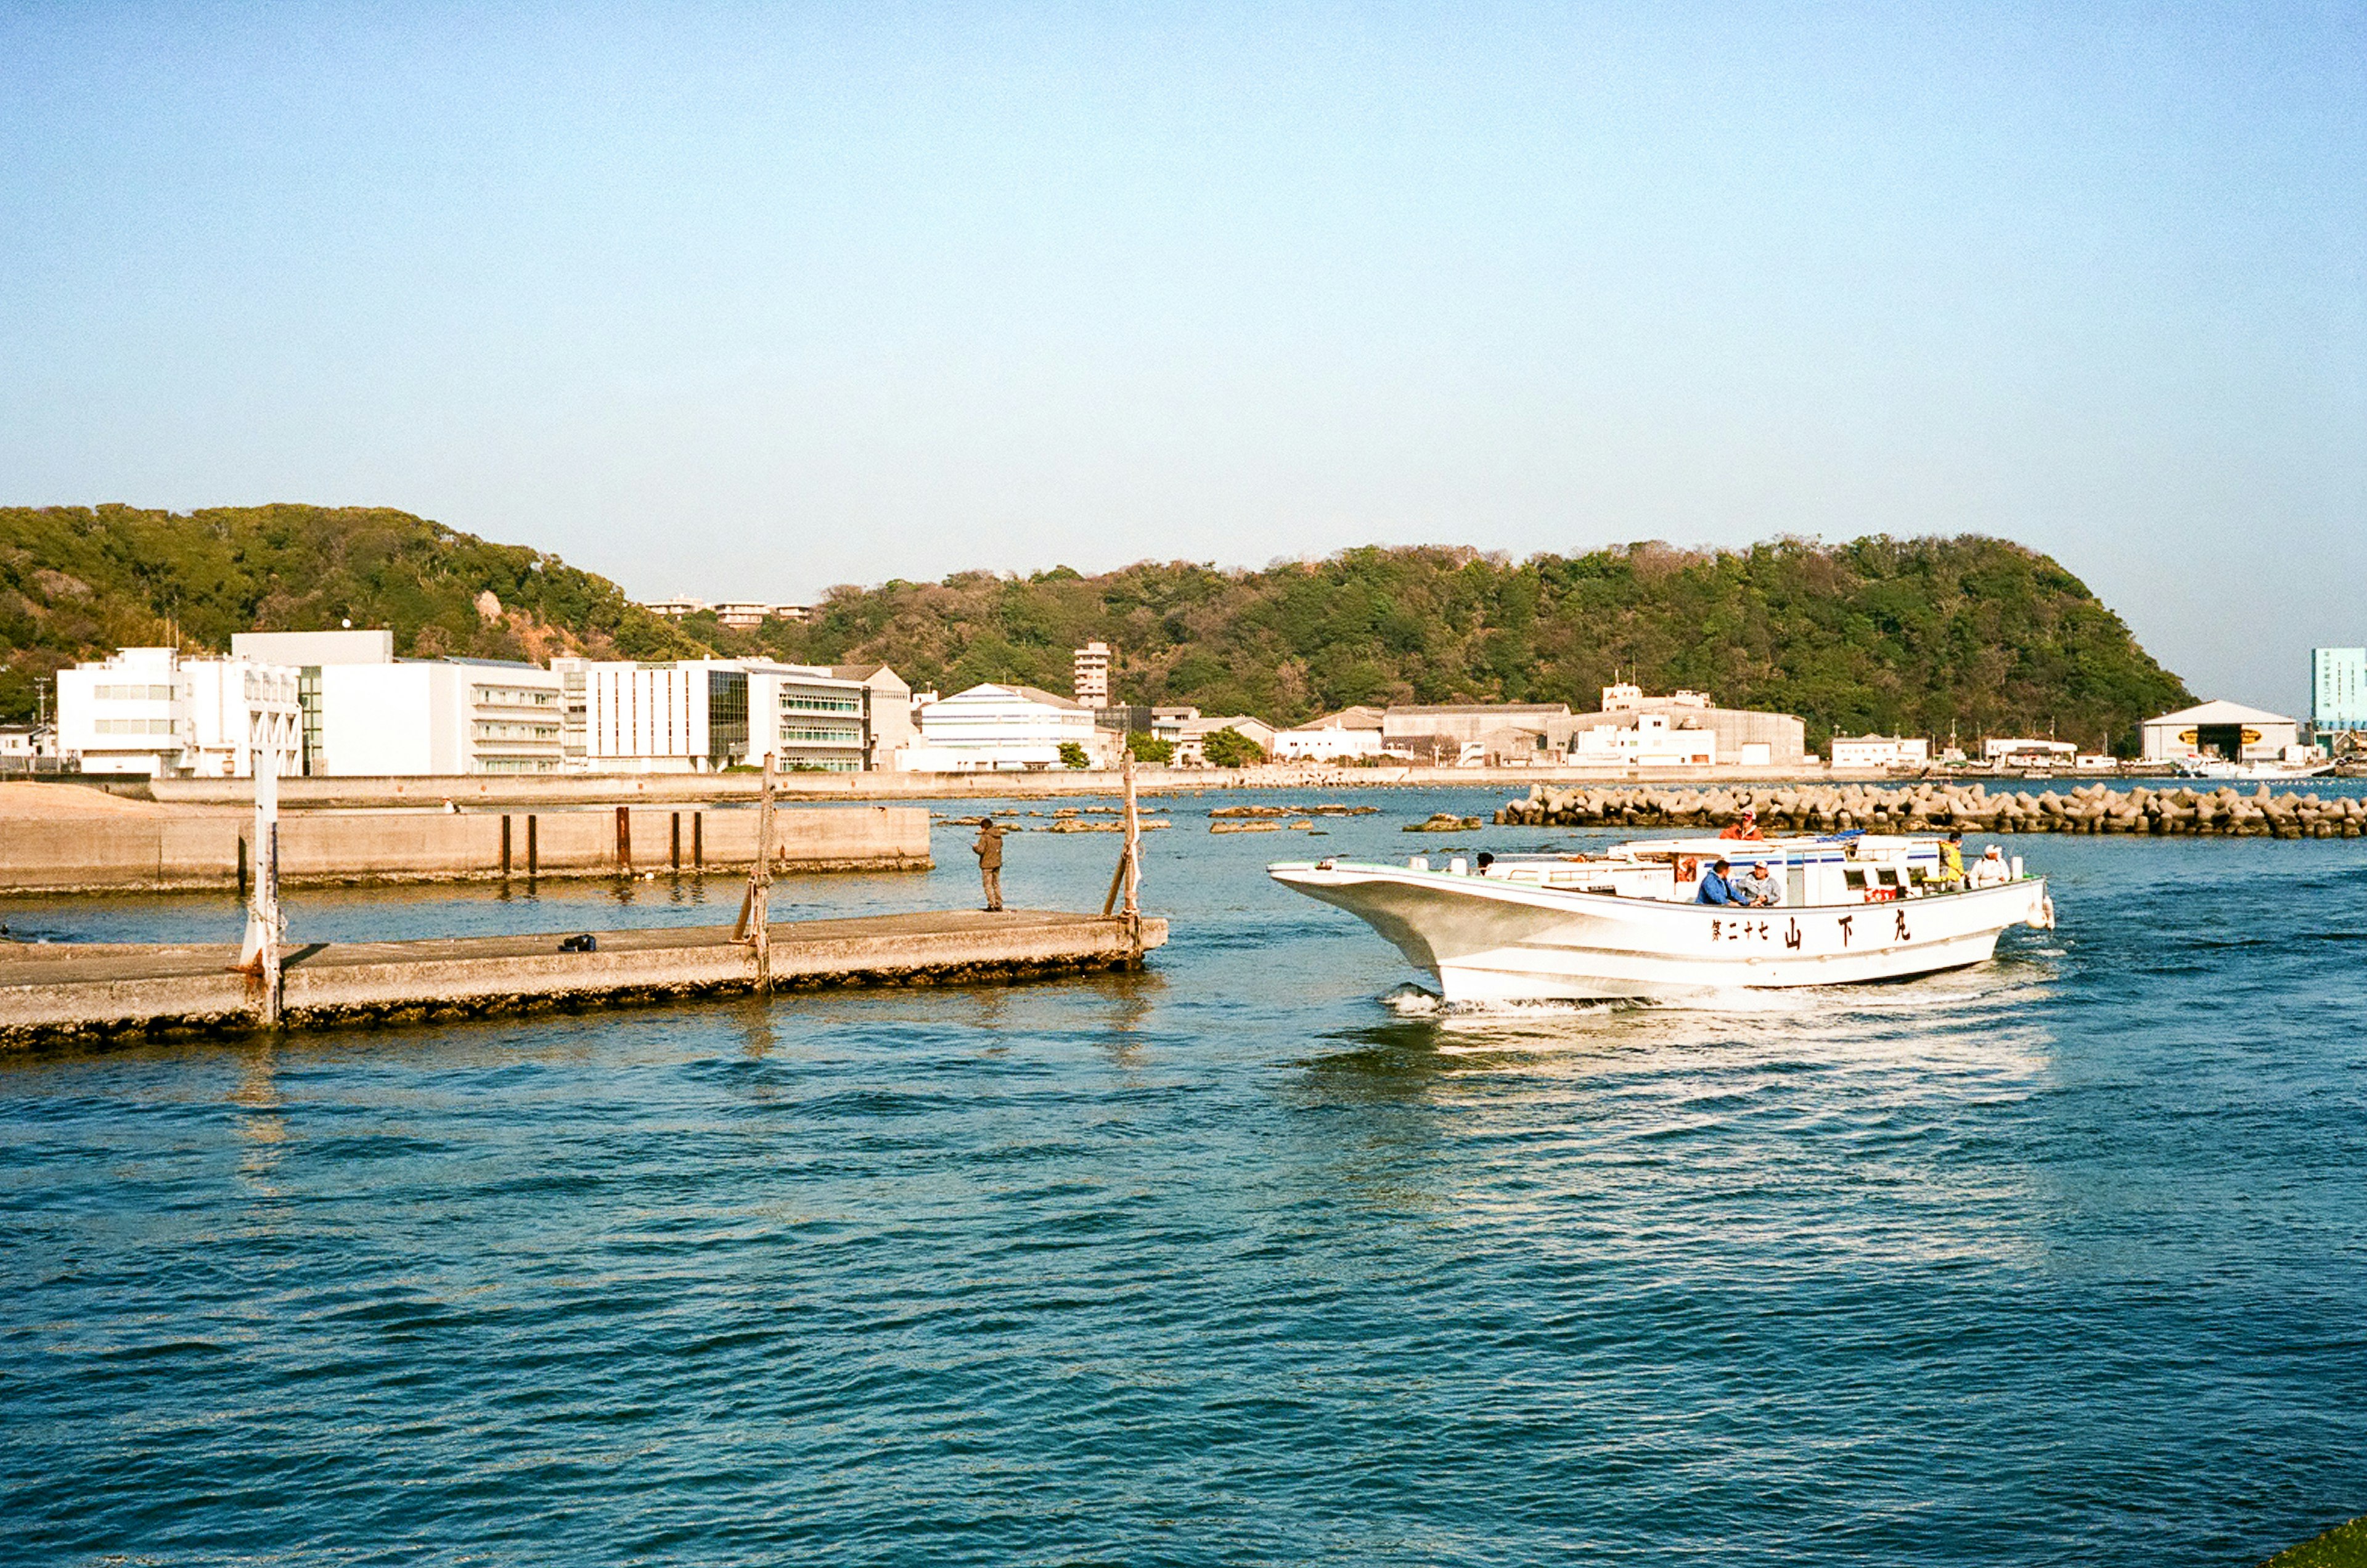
(2254, 771)
(1855, 908)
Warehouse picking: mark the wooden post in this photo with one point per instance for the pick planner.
(505, 846)
(533, 861)
(760, 886)
(675, 851)
(624, 837)
(699, 841)
(242, 866)
(1133, 864)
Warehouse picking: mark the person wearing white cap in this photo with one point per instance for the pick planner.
(1759, 888)
(1991, 870)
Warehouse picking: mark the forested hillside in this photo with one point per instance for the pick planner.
(76, 582)
(1912, 635)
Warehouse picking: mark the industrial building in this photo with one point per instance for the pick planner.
(2228, 730)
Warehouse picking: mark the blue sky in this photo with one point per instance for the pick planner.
(748, 300)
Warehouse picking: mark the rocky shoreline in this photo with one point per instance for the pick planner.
(1928, 807)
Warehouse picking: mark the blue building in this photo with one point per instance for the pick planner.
(2338, 686)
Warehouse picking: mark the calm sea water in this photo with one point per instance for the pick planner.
(2059, 1260)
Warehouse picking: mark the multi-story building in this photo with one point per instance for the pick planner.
(732, 611)
(2338, 689)
(151, 711)
(1091, 678)
(809, 717)
(437, 717)
(991, 728)
(707, 714)
(625, 717)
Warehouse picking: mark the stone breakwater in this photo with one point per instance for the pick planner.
(1929, 807)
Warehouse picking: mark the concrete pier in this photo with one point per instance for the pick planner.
(72, 993)
(142, 846)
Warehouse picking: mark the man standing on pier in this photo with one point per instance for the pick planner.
(989, 850)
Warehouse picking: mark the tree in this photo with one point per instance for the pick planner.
(1073, 755)
(1149, 748)
(1228, 748)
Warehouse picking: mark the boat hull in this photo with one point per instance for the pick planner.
(1485, 941)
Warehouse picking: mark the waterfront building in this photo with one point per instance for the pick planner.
(1091, 674)
(1748, 737)
(1349, 734)
(2223, 729)
(1439, 733)
(2029, 751)
(443, 717)
(1880, 751)
(2337, 690)
(994, 727)
(312, 652)
(1193, 734)
(153, 711)
(687, 715)
(809, 717)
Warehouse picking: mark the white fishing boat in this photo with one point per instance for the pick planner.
(1851, 908)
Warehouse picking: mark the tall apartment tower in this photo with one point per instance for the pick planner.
(1093, 675)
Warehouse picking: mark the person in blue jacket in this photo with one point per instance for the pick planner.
(1717, 889)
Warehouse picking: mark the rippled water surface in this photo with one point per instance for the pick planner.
(2062, 1259)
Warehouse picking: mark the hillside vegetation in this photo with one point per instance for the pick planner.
(1917, 636)
(1913, 635)
(77, 581)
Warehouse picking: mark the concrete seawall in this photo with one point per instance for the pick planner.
(209, 849)
(85, 993)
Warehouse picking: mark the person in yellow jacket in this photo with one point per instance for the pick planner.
(1951, 861)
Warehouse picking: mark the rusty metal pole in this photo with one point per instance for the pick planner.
(624, 838)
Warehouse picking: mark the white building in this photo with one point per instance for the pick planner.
(707, 714)
(439, 717)
(150, 711)
(1648, 741)
(1192, 736)
(2023, 751)
(1880, 751)
(1092, 680)
(2228, 730)
(619, 715)
(991, 728)
(1336, 737)
(812, 718)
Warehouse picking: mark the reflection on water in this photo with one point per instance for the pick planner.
(1225, 1261)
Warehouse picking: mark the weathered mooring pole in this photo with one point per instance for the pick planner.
(258, 955)
(1127, 878)
(755, 913)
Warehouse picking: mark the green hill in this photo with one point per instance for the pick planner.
(77, 581)
(1915, 636)
(1882, 634)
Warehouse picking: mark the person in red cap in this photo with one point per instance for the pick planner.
(1746, 828)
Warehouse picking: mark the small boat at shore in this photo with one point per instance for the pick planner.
(1855, 908)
